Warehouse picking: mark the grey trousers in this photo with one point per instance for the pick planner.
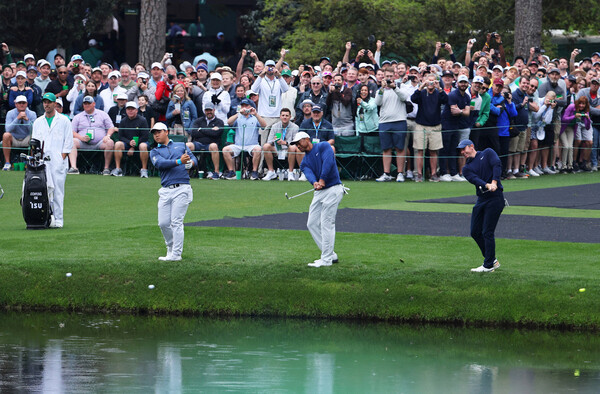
(172, 206)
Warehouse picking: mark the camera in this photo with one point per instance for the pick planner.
(578, 51)
(337, 86)
(473, 40)
(171, 76)
(269, 68)
(388, 81)
(353, 44)
(530, 99)
(506, 95)
(493, 35)
(143, 80)
(539, 50)
(382, 43)
(431, 83)
(444, 44)
(412, 77)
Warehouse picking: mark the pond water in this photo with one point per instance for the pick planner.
(63, 353)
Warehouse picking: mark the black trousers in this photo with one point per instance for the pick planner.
(484, 219)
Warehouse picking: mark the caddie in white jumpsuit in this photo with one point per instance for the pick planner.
(321, 171)
(54, 131)
(173, 160)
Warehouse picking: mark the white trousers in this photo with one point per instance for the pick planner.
(321, 219)
(56, 175)
(172, 206)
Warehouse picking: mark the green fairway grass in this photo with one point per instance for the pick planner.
(111, 241)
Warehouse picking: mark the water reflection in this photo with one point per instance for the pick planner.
(81, 353)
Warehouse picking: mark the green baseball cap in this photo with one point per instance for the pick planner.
(5, 66)
(50, 97)
(286, 72)
(22, 63)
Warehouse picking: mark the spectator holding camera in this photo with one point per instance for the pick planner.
(593, 97)
(456, 125)
(392, 124)
(447, 47)
(558, 86)
(339, 102)
(367, 119)
(217, 97)
(163, 91)
(429, 98)
(270, 86)
(142, 87)
(181, 111)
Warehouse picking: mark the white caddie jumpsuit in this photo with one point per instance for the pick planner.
(56, 139)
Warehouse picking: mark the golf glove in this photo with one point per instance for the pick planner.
(189, 165)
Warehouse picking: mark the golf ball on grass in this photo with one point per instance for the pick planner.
(151, 287)
(582, 290)
(68, 274)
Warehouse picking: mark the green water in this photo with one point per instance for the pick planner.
(63, 353)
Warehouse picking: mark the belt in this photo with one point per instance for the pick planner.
(173, 186)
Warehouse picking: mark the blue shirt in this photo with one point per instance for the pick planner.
(20, 128)
(246, 130)
(164, 157)
(458, 122)
(504, 114)
(324, 131)
(320, 163)
(483, 169)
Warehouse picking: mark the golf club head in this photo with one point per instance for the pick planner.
(286, 196)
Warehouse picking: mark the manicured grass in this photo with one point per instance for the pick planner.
(111, 241)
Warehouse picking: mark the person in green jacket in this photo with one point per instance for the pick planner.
(367, 120)
(484, 111)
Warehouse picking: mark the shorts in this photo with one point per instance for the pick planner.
(584, 134)
(549, 137)
(24, 143)
(199, 147)
(392, 135)
(238, 149)
(557, 126)
(428, 137)
(463, 134)
(88, 146)
(517, 144)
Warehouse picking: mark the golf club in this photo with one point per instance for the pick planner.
(483, 190)
(1, 191)
(298, 195)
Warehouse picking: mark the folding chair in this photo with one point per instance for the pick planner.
(371, 156)
(348, 156)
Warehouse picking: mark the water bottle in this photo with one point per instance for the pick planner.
(280, 174)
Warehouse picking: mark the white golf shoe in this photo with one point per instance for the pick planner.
(319, 263)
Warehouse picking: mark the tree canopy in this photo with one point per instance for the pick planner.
(410, 28)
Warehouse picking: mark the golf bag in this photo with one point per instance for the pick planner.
(35, 201)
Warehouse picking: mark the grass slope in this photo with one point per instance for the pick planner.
(111, 242)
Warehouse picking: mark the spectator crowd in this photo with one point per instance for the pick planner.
(540, 115)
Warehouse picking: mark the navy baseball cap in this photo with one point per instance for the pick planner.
(464, 143)
(317, 108)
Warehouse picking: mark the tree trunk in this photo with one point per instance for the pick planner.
(153, 26)
(528, 26)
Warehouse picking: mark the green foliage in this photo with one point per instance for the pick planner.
(410, 28)
(38, 25)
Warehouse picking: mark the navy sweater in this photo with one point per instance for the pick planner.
(429, 113)
(319, 163)
(483, 169)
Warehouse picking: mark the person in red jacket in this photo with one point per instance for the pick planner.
(163, 92)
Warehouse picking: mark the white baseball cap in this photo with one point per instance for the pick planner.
(131, 104)
(157, 65)
(462, 78)
(299, 136)
(121, 96)
(159, 126)
(478, 79)
(114, 74)
(21, 99)
(29, 56)
(216, 76)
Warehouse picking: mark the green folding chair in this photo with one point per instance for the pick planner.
(348, 157)
(371, 157)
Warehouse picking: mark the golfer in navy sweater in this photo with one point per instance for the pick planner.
(321, 171)
(173, 160)
(483, 169)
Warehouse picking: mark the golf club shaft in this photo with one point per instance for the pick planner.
(298, 195)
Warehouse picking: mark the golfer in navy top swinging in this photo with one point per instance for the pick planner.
(321, 171)
(483, 169)
(173, 160)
